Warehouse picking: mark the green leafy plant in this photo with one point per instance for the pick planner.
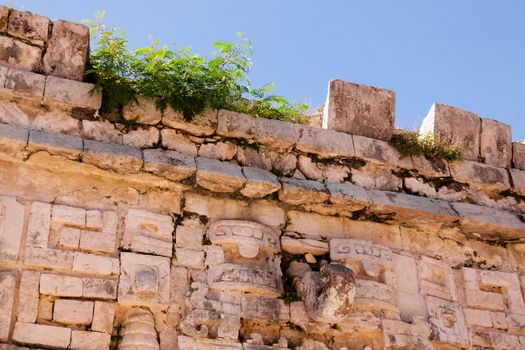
(180, 79)
(410, 143)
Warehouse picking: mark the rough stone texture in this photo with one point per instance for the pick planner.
(203, 124)
(476, 172)
(11, 228)
(454, 124)
(359, 110)
(19, 55)
(295, 191)
(4, 13)
(379, 152)
(518, 155)
(28, 26)
(276, 134)
(67, 50)
(112, 156)
(7, 297)
(171, 165)
(70, 92)
(142, 138)
(89, 340)
(219, 176)
(233, 124)
(496, 143)
(95, 264)
(103, 317)
(59, 285)
(304, 246)
(326, 143)
(176, 141)
(54, 143)
(219, 150)
(28, 297)
(259, 182)
(26, 83)
(73, 312)
(144, 111)
(42, 335)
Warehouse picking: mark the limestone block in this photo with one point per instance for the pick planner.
(447, 321)
(28, 297)
(11, 228)
(518, 179)
(60, 285)
(139, 330)
(475, 317)
(261, 158)
(264, 310)
(97, 241)
(297, 192)
(176, 141)
(431, 167)
(480, 299)
(7, 298)
(190, 343)
(39, 225)
(329, 293)
(504, 341)
(219, 150)
(99, 288)
(413, 209)
(95, 264)
(73, 312)
(359, 109)
(376, 178)
(436, 279)
(450, 123)
(101, 130)
(10, 112)
(144, 280)
(72, 93)
(471, 171)
(276, 134)
(48, 258)
(248, 237)
(189, 235)
(42, 335)
(112, 156)
(20, 55)
(142, 137)
(326, 143)
(13, 139)
(262, 211)
(55, 143)
(518, 155)
(214, 255)
(28, 26)
(45, 308)
(82, 340)
(349, 196)
(284, 164)
(103, 316)
(148, 232)
(57, 121)
(171, 165)
(4, 14)
(25, 83)
(509, 285)
(401, 335)
(219, 176)
(380, 152)
(233, 124)
(303, 246)
(143, 111)
(258, 280)
(406, 274)
(259, 182)
(190, 258)
(496, 143)
(489, 223)
(67, 50)
(202, 124)
(309, 169)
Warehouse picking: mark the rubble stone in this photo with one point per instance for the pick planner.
(176, 141)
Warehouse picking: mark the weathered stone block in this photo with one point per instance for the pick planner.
(144, 111)
(48, 258)
(518, 155)
(202, 124)
(7, 298)
(100, 288)
(20, 55)
(25, 83)
(219, 176)
(326, 143)
(380, 152)
(67, 50)
(101, 130)
(259, 182)
(169, 164)
(276, 134)
(190, 343)
(28, 297)
(95, 264)
(496, 143)
(11, 227)
(189, 236)
(233, 124)
(219, 150)
(61, 286)
(177, 141)
(72, 93)
(142, 137)
(518, 179)
(81, 340)
(4, 14)
(349, 196)
(28, 26)
(359, 109)
(454, 124)
(144, 280)
(42, 335)
(13, 139)
(54, 143)
(148, 232)
(468, 171)
(297, 192)
(73, 312)
(190, 258)
(112, 156)
(303, 246)
(103, 316)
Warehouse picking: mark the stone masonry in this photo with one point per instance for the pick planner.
(232, 232)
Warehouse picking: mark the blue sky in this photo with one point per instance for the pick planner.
(466, 53)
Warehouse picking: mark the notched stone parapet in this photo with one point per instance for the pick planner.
(496, 143)
(329, 293)
(359, 110)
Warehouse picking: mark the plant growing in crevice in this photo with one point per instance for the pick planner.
(410, 143)
(179, 79)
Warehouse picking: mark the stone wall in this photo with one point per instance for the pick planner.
(232, 232)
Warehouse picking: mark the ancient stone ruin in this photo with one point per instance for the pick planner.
(232, 232)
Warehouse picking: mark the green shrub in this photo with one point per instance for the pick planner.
(177, 78)
(410, 143)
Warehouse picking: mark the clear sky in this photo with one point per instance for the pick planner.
(466, 53)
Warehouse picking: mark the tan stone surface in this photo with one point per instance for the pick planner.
(100, 288)
(70, 92)
(42, 335)
(19, 55)
(219, 176)
(518, 155)
(11, 228)
(171, 165)
(89, 340)
(219, 150)
(142, 137)
(103, 317)
(177, 141)
(7, 298)
(29, 26)
(95, 264)
(28, 297)
(25, 83)
(73, 312)
(297, 192)
(496, 143)
(202, 124)
(59, 285)
(233, 124)
(144, 111)
(326, 143)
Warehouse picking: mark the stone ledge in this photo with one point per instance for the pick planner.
(223, 177)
